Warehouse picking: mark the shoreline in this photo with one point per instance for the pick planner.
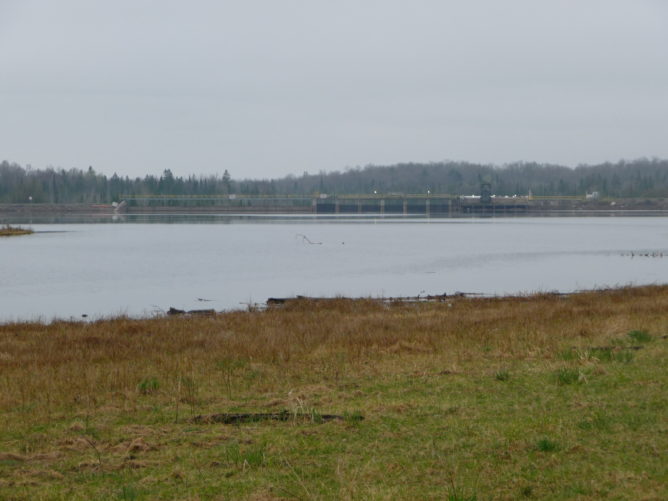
(299, 301)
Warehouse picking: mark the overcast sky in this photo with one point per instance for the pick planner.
(265, 88)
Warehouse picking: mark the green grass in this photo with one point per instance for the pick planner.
(613, 355)
(148, 385)
(568, 375)
(546, 445)
(640, 336)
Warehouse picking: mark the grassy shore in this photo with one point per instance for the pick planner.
(541, 397)
(11, 231)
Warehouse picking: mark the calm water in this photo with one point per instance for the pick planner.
(67, 270)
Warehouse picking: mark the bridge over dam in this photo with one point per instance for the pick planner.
(436, 205)
(397, 204)
(377, 203)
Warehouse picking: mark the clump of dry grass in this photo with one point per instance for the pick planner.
(11, 231)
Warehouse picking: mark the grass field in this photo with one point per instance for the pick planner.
(540, 397)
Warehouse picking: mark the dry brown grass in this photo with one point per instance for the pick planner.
(12, 231)
(85, 365)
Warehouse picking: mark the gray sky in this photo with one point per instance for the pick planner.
(265, 88)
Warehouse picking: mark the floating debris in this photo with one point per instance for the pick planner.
(654, 254)
(306, 239)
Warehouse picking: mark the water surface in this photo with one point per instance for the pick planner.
(70, 270)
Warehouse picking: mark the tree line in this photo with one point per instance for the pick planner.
(637, 178)
(51, 185)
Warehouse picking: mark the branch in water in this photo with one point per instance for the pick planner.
(307, 240)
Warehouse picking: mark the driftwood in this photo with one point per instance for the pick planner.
(282, 300)
(231, 418)
(276, 301)
(174, 311)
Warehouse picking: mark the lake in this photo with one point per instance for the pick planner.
(142, 266)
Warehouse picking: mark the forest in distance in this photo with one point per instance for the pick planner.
(640, 178)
